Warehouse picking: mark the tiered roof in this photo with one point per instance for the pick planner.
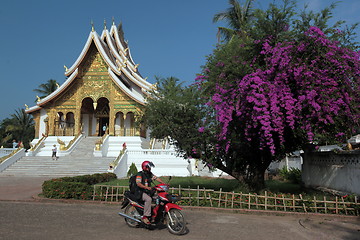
(121, 67)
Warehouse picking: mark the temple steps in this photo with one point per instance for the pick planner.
(64, 166)
(80, 162)
(85, 148)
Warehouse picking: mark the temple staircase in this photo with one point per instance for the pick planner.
(80, 162)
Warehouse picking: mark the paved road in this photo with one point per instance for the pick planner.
(39, 220)
(20, 188)
(23, 218)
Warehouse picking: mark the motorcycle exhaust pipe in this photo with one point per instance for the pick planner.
(127, 216)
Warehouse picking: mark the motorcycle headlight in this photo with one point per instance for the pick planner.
(165, 188)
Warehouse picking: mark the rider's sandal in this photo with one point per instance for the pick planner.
(145, 220)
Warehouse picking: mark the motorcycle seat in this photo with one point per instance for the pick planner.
(132, 196)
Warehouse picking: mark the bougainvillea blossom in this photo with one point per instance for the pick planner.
(311, 84)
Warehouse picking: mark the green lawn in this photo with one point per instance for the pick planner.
(227, 185)
(192, 182)
(278, 186)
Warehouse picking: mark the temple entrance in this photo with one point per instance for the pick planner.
(103, 125)
(102, 116)
(95, 116)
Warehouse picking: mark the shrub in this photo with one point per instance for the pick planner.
(79, 187)
(67, 190)
(132, 170)
(292, 175)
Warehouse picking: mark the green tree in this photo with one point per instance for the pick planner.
(344, 34)
(238, 18)
(269, 91)
(174, 111)
(275, 91)
(19, 127)
(274, 23)
(47, 88)
(277, 23)
(6, 137)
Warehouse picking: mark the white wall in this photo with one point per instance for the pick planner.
(85, 124)
(93, 130)
(166, 162)
(88, 130)
(288, 162)
(118, 124)
(42, 128)
(337, 171)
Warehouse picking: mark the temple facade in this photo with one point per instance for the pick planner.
(103, 93)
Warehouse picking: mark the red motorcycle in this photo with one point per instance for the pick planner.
(164, 211)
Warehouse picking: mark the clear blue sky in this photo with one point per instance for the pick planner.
(167, 37)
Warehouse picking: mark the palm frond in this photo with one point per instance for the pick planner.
(237, 17)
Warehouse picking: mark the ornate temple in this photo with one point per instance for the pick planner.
(103, 93)
(90, 120)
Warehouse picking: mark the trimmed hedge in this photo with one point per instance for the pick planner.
(79, 187)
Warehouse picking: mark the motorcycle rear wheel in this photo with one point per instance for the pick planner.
(132, 212)
(178, 225)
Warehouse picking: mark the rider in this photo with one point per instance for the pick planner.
(143, 181)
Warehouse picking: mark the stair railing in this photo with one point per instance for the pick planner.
(71, 145)
(100, 142)
(35, 148)
(117, 160)
(10, 154)
(119, 165)
(10, 159)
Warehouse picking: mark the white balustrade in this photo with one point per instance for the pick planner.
(6, 151)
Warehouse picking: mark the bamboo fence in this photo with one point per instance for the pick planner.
(232, 200)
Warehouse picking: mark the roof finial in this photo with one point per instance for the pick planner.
(113, 21)
(124, 65)
(104, 24)
(92, 26)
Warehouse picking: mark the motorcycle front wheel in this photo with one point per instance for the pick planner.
(132, 212)
(175, 222)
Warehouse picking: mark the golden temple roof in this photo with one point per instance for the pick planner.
(116, 54)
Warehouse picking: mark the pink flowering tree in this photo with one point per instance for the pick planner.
(283, 81)
(265, 105)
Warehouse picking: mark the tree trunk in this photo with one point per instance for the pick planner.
(252, 174)
(255, 179)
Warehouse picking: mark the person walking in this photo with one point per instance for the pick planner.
(54, 150)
